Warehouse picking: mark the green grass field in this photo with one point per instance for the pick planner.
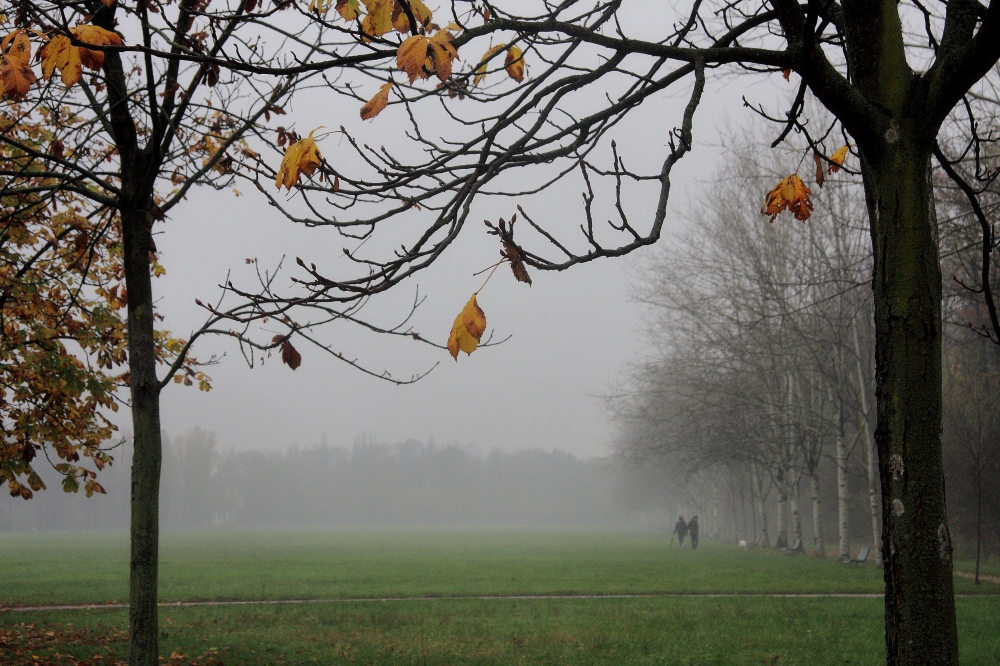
(40, 568)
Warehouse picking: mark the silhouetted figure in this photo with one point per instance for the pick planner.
(681, 530)
(693, 529)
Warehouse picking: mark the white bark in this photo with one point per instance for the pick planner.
(818, 543)
(793, 497)
(842, 494)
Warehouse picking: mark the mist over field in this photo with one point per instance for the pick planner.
(411, 483)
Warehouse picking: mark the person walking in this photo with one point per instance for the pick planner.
(681, 530)
(693, 529)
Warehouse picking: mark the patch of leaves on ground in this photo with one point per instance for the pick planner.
(53, 644)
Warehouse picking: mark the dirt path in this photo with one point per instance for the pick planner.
(982, 577)
(513, 597)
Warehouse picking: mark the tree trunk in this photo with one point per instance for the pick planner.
(916, 544)
(865, 425)
(818, 543)
(843, 498)
(782, 540)
(758, 477)
(796, 515)
(979, 503)
(143, 629)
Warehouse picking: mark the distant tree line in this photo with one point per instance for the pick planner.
(370, 484)
(756, 402)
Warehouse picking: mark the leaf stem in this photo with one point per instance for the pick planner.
(494, 267)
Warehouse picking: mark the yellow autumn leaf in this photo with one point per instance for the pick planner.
(17, 46)
(481, 68)
(301, 157)
(443, 53)
(838, 159)
(514, 64)
(349, 10)
(411, 55)
(401, 22)
(468, 329)
(60, 54)
(92, 34)
(374, 106)
(791, 194)
(379, 18)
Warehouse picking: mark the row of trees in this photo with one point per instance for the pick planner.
(370, 484)
(761, 386)
(178, 90)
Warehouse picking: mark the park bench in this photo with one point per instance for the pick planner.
(862, 556)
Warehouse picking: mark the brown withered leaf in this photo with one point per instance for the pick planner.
(374, 106)
(786, 73)
(511, 251)
(290, 356)
(514, 64)
(468, 329)
(820, 171)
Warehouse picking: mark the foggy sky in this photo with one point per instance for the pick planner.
(573, 333)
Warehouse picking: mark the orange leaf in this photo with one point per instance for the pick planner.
(481, 68)
(374, 106)
(443, 53)
(468, 329)
(790, 193)
(411, 55)
(514, 64)
(16, 77)
(838, 159)
(301, 157)
(15, 69)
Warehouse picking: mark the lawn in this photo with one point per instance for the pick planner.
(40, 568)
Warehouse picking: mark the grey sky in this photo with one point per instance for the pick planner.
(572, 333)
